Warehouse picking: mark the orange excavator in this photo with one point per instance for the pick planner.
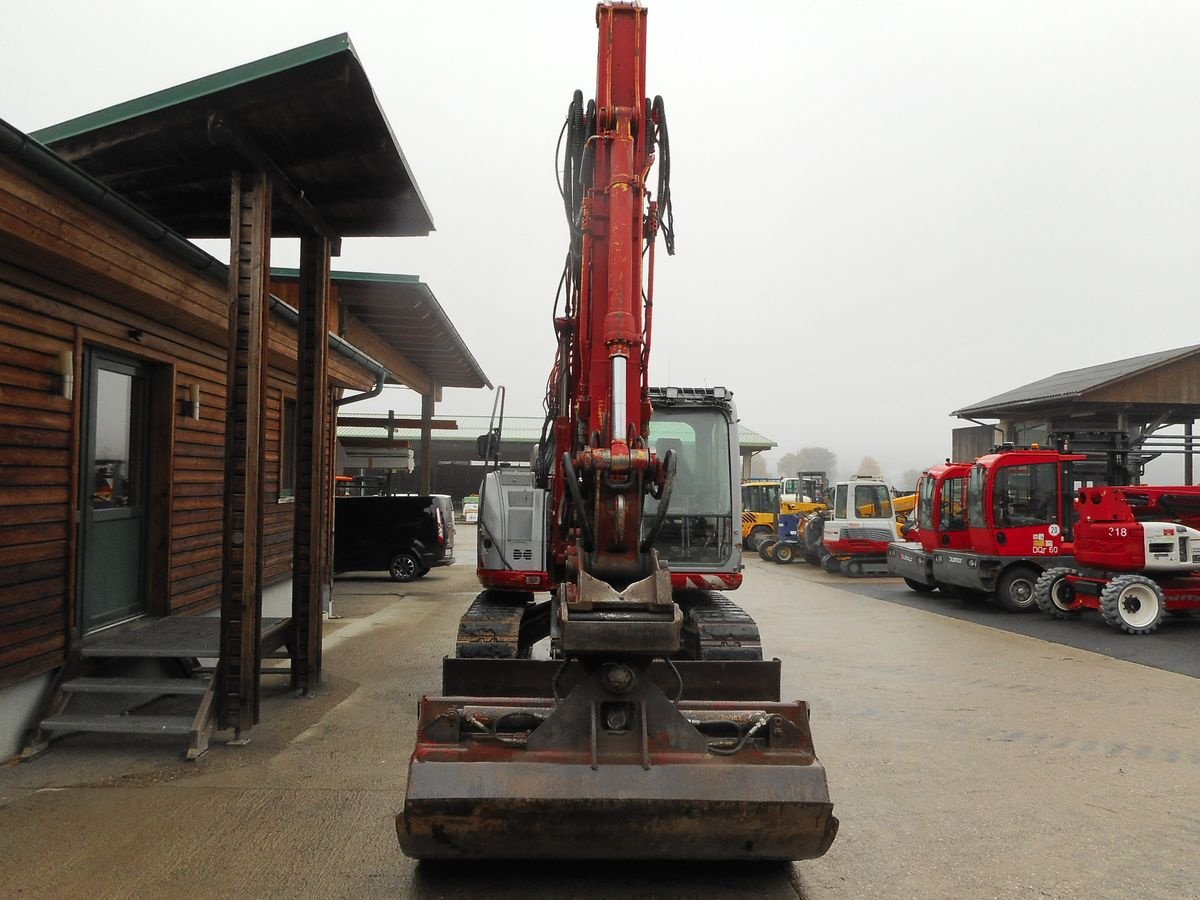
(651, 727)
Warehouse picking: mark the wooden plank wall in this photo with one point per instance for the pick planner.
(71, 278)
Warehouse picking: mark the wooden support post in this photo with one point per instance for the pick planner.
(314, 471)
(1187, 453)
(241, 596)
(427, 401)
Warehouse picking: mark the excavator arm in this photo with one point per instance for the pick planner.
(655, 729)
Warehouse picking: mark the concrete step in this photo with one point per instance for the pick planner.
(120, 724)
(127, 685)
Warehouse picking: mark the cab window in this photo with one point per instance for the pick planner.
(873, 501)
(1026, 495)
(953, 511)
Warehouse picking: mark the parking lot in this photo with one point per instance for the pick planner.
(964, 761)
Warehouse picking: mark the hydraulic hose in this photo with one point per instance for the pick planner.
(589, 540)
(670, 463)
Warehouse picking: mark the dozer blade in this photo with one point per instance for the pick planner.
(600, 775)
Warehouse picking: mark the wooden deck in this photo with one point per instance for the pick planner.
(178, 636)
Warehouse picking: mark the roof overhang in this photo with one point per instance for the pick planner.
(402, 312)
(310, 111)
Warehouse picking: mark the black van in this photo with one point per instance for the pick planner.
(407, 535)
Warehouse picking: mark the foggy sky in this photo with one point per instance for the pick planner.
(884, 211)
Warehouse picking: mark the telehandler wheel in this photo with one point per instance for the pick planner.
(784, 553)
(919, 586)
(765, 548)
(1014, 589)
(1133, 603)
(404, 567)
(1054, 594)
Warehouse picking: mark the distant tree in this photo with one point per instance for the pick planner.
(809, 459)
(869, 466)
(758, 466)
(907, 482)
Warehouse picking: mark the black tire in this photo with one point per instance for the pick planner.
(831, 564)
(404, 567)
(757, 534)
(919, 586)
(784, 553)
(1133, 603)
(1014, 589)
(764, 548)
(1054, 594)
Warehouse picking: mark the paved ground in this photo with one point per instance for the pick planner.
(964, 761)
(1175, 646)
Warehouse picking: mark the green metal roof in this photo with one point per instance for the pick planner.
(311, 110)
(404, 313)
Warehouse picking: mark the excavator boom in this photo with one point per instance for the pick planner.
(655, 729)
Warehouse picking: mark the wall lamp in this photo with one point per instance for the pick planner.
(191, 406)
(66, 372)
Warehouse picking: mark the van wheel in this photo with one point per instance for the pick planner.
(404, 567)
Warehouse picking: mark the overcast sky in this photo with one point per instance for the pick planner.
(884, 211)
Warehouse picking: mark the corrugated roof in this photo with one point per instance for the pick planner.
(310, 109)
(1076, 382)
(519, 429)
(403, 312)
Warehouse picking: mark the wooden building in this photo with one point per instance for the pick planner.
(166, 423)
(1124, 404)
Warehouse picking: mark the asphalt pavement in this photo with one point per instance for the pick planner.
(1174, 646)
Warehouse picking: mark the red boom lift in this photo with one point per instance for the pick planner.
(639, 737)
(1137, 557)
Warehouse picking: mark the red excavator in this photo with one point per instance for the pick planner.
(654, 729)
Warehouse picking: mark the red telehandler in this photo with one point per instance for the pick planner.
(992, 527)
(655, 728)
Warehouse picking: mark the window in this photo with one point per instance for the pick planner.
(873, 501)
(1025, 495)
(839, 503)
(975, 483)
(287, 450)
(925, 502)
(953, 506)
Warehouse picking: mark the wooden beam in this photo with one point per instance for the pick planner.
(426, 450)
(311, 535)
(223, 131)
(370, 343)
(249, 319)
(385, 422)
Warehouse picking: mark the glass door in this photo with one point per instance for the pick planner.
(112, 571)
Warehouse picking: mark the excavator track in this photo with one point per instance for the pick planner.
(491, 627)
(714, 627)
